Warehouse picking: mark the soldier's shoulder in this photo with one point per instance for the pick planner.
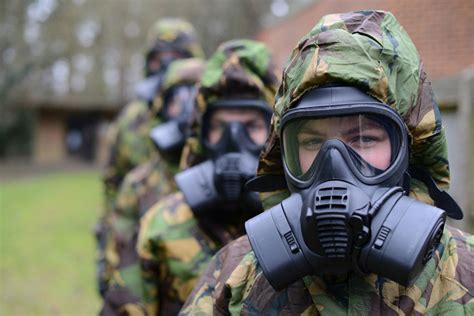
(456, 240)
(168, 213)
(456, 268)
(235, 260)
(133, 111)
(140, 173)
(234, 252)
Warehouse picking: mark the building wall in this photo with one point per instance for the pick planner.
(442, 30)
(49, 144)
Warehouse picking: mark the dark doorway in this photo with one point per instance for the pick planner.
(81, 135)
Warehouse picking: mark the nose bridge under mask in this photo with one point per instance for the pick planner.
(336, 161)
(233, 137)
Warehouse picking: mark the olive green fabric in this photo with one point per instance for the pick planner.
(142, 187)
(234, 284)
(175, 246)
(174, 33)
(369, 50)
(129, 145)
(239, 69)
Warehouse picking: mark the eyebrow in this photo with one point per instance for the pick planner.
(309, 130)
(364, 126)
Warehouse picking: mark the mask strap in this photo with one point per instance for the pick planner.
(441, 198)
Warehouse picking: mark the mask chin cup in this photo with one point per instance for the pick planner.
(168, 137)
(441, 198)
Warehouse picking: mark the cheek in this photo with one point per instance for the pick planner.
(173, 109)
(379, 157)
(259, 136)
(306, 159)
(212, 137)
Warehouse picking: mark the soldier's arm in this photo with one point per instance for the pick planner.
(125, 294)
(147, 249)
(212, 294)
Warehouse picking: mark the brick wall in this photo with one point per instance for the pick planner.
(443, 31)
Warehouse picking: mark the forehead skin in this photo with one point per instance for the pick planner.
(241, 115)
(340, 125)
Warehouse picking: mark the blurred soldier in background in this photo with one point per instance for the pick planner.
(180, 233)
(148, 182)
(129, 141)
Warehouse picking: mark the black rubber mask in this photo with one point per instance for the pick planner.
(347, 212)
(178, 106)
(218, 184)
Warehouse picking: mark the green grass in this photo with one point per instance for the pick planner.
(47, 245)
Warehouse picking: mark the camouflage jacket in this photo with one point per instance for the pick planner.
(234, 284)
(175, 247)
(141, 188)
(128, 146)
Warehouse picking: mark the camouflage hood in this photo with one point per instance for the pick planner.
(173, 33)
(182, 72)
(369, 50)
(239, 69)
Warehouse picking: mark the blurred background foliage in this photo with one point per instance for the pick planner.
(84, 52)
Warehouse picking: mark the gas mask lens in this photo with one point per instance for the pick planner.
(238, 123)
(179, 102)
(373, 142)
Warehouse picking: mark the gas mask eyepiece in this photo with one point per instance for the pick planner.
(345, 156)
(233, 134)
(178, 107)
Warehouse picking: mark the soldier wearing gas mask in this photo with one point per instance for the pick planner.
(357, 164)
(181, 232)
(148, 182)
(128, 141)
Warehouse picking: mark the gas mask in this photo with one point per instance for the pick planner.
(219, 183)
(345, 161)
(178, 106)
(146, 89)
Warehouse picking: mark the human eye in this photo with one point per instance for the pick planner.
(310, 142)
(254, 126)
(365, 140)
(216, 126)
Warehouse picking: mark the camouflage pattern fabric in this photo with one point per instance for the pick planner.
(238, 69)
(369, 50)
(128, 141)
(234, 284)
(174, 246)
(174, 33)
(141, 188)
(129, 146)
